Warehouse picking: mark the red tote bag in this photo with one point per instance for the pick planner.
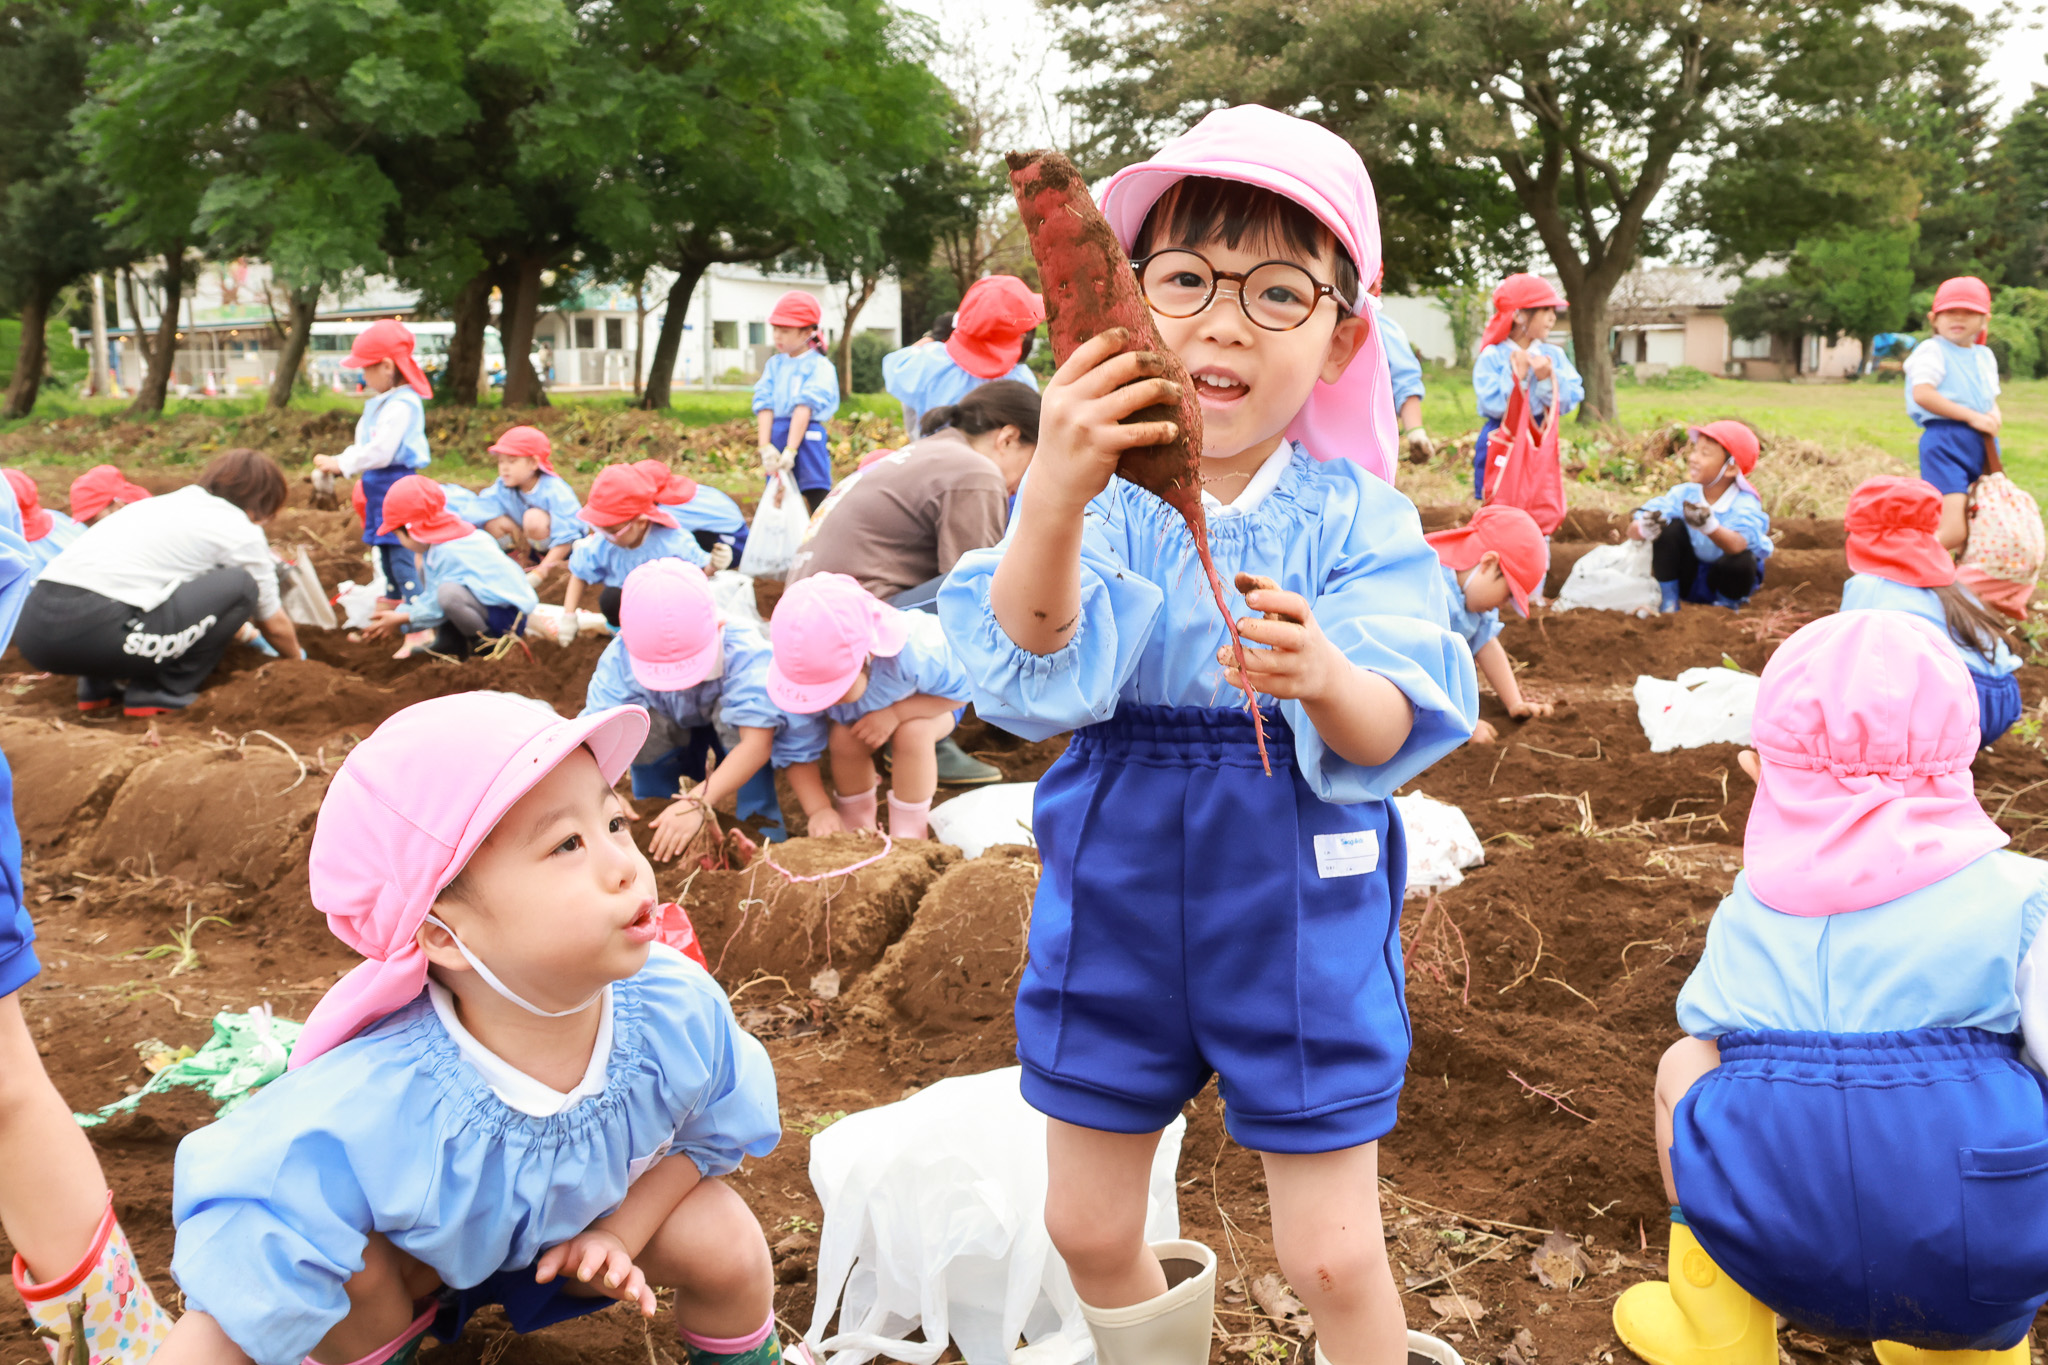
(1523, 468)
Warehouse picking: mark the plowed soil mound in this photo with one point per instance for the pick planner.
(1540, 989)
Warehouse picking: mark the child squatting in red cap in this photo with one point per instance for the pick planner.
(469, 591)
(531, 509)
(1498, 556)
(1710, 536)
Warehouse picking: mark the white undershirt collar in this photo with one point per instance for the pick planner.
(517, 1089)
(1264, 480)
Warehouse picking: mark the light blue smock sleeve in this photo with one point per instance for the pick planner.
(19, 564)
(1493, 379)
(1037, 696)
(932, 669)
(744, 702)
(1402, 366)
(898, 371)
(1671, 503)
(707, 510)
(718, 1075)
(585, 561)
(611, 682)
(764, 387)
(1747, 518)
(553, 495)
(818, 388)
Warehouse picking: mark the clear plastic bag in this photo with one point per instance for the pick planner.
(777, 530)
(976, 821)
(1702, 706)
(1611, 578)
(1441, 842)
(934, 1218)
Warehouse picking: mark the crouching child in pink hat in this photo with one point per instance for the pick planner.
(523, 1097)
(882, 677)
(695, 672)
(1854, 1133)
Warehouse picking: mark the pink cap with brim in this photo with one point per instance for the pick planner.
(402, 818)
(824, 629)
(1865, 729)
(1353, 418)
(668, 620)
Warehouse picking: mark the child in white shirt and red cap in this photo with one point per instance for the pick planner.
(391, 440)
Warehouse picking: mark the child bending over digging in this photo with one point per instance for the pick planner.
(1710, 536)
(1196, 915)
(1854, 1133)
(521, 1098)
(1498, 556)
(693, 672)
(470, 594)
(631, 528)
(531, 508)
(881, 680)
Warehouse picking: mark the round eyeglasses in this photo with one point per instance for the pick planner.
(1276, 295)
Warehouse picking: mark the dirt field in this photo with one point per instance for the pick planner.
(1541, 989)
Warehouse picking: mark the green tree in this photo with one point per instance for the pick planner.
(2017, 178)
(1588, 111)
(1853, 282)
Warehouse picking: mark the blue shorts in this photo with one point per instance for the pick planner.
(18, 965)
(1998, 704)
(376, 483)
(1879, 1186)
(1951, 455)
(529, 1305)
(1181, 928)
(1486, 430)
(813, 457)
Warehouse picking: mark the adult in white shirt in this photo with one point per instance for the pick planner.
(142, 606)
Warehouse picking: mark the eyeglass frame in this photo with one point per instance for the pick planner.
(1242, 278)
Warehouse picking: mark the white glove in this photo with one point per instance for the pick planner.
(721, 557)
(565, 628)
(1701, 517)
(788, 460)
(1417, 440)
(771, 459)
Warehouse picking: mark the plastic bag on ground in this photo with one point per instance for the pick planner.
(777, 529)
(1611, 578)
(977, 821)
(302, 597)
(934, 1218)
(358, 603)
(734, 594)
(545, 621)
(1441, 842)
(246, 1052)
(1702, 706)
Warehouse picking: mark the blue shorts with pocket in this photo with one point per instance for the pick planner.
(1951, 455)
(1878, 1186)
(1196, 916)
(18, 965)
(528, 1304)
(813, 457)
(1998, 705)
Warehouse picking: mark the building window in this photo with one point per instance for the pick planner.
(586, 334)
(1749, 348)
(757, 334)
(725, 336)
(615, 334)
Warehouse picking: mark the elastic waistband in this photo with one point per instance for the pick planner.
(1185, 736)
(1868, 1052)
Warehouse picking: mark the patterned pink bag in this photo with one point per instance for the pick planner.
(2007, 541)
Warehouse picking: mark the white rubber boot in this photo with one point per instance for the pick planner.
(1423, 1349)
(1173, 1329)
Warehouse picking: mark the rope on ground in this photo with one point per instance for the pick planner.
(847, 871)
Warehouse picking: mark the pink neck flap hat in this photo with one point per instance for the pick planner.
(403, 817)
(669, 621)
(1353, 418)
(1865, 727)
(824, 629)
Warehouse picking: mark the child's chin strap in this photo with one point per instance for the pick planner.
(491, 979)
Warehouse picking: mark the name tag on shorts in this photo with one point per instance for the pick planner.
(1347, 855)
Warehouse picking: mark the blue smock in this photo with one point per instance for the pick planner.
(597, 560)
(707, 510)
(468, 504)
(1478, 627)
(1149, 631)
(925, 667)
(477, 562)
(393, 1131)
(551, 494)
(18, 570)
(1744, 515)
(789, 382)
(1493, 379)
(736, 695)
(1872, 592)
(1969, 376)
(1402, 366)
(925, 377)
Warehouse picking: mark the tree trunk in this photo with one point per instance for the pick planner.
(135, 312)
(639, 331)
(301, 305)
(661, 367)
(164, 354)
(855, 301)
(466, 348)
(1588, 315)
(33, 355)
(517, 316)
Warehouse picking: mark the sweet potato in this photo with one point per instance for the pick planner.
(1089, 289)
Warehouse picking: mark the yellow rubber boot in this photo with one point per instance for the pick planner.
(1698, 1317)
(1898, 1353)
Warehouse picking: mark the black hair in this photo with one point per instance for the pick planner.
(1030, 344)
(1971, 624)
(1201, 209)
(249, 479)
(986, 408)
(942, 327)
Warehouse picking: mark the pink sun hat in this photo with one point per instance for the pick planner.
(1353, 418)
(1865, 728)
(403, 816)
(669, 622)
(824, 629)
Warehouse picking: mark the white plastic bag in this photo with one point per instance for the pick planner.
(975, 821)
(1703, 706)
(734, 594)
(777, 531)
(358, 603)
(934, 1217)
(302, 597)
(1611, 578)
(1441, 842)
(546, 619)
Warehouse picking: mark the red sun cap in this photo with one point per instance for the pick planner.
(1734, 437)
(96, 488)
(389, 340)
(1963, 294)
(1515, 293)
(621, 493)
(991, 323)
(35, 519)
(795, 309)
(1510, 533)
(417, 506)
(670, 488)
(1891, 523)
(527, 443)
